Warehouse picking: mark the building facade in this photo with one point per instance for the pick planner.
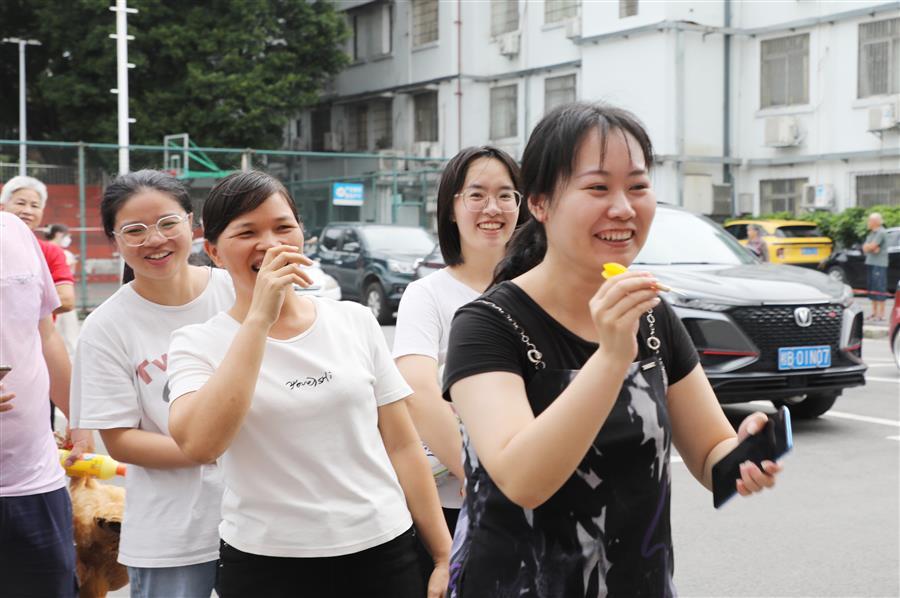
(752, 106)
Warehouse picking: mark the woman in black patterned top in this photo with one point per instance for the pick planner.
(571, 389)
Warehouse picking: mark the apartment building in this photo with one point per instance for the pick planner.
(753, 106)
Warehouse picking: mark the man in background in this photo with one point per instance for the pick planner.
(875, 249)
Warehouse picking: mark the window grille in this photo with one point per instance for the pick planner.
(785, 71)
(780, 195)
(878, 190)
(558, 90)
(425, 21)
(504, 16)
(879, 58)
(504, 112)
(560, 10)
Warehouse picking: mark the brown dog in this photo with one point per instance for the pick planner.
(97, 516)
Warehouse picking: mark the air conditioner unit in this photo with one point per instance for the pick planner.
(389, 160)
(509, 44)
(782, 131)
(426, 149)
(332, 142)
(818, 197)
(573, 28)
(883, 117)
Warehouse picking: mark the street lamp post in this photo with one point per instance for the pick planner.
(23, 133)
(122, 65)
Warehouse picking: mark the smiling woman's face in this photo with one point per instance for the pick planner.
(487, 180)
(241, 247)
(26, 204)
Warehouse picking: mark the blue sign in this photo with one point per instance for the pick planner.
(347, 194)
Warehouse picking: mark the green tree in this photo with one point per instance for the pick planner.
(229, 72)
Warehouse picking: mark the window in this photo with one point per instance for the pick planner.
(320, 125)
(330, 239)
(556, 11)
(558, 90)
(780, 195)
(372, 31)
(425, 21)
(357, 128)
(426, 115)
(879, 58)
(504, 16)
(382, 124)
(784, 79)
(504, 104)
(878, 190)
(628, 8)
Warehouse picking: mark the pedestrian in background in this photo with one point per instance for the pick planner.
(120, 386)
(477, 211)
(298, 397)
(66, 323)
(756, 243)
(37, 554)
(571, 388)
(877, 256)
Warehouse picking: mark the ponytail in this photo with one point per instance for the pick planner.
(526, 249)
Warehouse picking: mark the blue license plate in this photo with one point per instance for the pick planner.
(804, 358)
(809, 251)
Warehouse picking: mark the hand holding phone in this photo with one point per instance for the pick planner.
(770, 443)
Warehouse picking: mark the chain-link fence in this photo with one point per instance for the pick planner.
(388, 188)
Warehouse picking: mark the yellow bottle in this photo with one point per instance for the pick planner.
(101, 466)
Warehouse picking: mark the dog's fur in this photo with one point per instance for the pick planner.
(97, 516)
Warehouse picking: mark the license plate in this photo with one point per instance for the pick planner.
(809, 251)
(804, 358)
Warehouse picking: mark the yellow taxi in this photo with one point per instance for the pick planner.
(795, 242)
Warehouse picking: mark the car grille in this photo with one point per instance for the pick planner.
(773, 326)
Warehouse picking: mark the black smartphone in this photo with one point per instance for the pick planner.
(770, 443)
(4, 370)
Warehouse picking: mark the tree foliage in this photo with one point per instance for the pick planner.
(229, 72)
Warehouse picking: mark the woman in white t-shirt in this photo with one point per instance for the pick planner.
(169, 537)
(477, 211)
(298, 396)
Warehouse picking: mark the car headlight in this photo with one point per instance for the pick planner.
(846, 296)
(401, 267)
(702, 303)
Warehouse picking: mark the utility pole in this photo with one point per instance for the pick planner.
(122, 65)
(23, 132)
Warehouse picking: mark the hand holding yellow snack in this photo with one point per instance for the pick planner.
(611, 269)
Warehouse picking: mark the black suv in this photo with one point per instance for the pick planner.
(373, 263)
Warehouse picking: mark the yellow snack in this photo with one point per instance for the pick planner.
(611, 269)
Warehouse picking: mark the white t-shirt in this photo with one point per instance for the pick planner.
(119, 380)
(423, 328)
(308, 474)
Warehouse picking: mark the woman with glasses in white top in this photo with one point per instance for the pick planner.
(169, 536)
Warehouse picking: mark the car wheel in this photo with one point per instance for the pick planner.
(812, 406)
(837, 273)
(376, 301)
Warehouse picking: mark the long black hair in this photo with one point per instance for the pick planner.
(452, 180)
(547, 164)
(124, 186)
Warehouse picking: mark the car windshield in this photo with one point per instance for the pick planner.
(797, 231)
(678, 237)
(398, 239)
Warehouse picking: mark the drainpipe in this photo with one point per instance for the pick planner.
(458, 75)
(727, 177)
(679, 111)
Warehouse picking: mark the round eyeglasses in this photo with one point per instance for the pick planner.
(476, 200)
(137, 234)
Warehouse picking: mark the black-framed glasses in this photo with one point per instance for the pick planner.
(476, 200)
(137, 234)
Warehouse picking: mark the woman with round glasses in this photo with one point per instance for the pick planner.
(169, 537)
(477, 211)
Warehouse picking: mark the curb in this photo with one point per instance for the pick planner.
(875, 331)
